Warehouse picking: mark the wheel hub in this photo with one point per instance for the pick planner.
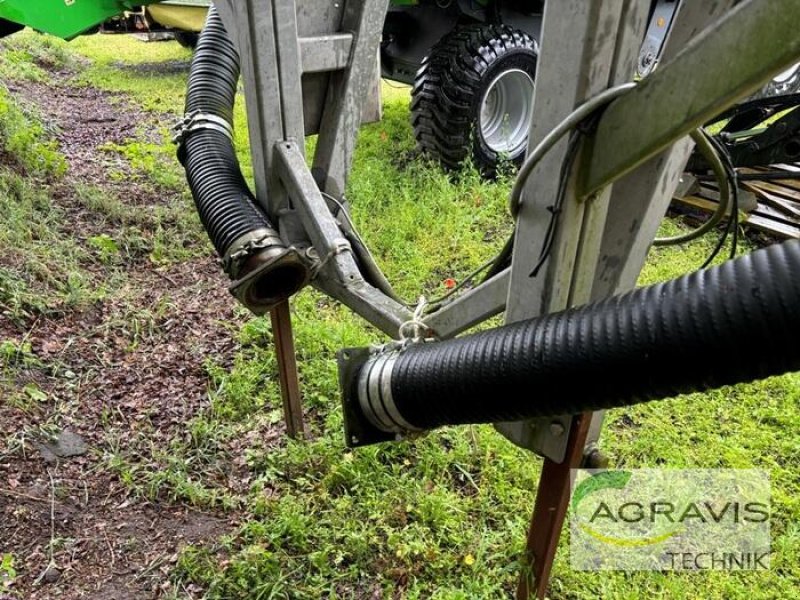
(506, 111)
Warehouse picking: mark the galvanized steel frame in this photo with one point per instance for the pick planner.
(318, 59)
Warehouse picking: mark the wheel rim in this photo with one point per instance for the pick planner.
(506, 111)
(787, 74)
(786, 81)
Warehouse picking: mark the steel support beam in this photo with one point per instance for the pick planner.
(346, 93)
(289, 71)
(340, 276)
(251, 25)
(587, 47)
(753, 42)
(568, 74)
(471, 308)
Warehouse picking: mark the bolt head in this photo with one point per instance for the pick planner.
(596, 459)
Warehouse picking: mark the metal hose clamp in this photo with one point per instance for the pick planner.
(245, 246)
(375, 395)
(197, 120)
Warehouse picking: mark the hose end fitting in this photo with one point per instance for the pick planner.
(370, 413)
(265, 271)
(375, 395)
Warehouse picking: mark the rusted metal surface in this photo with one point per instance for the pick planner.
(287, 370)
(552, 501)
(776, 210)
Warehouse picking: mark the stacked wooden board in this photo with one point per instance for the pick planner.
(770, 205)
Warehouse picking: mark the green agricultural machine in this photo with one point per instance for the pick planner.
(65, 18)
(182, 18)
(70, 18)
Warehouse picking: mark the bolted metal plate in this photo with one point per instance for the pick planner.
(547, 437)
(357, 430)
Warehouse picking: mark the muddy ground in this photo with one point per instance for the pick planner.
(74, 529)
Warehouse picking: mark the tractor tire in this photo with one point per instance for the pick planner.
(473, 97)
(187, 39)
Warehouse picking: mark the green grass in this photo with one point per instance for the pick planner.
(41, 272)
(151, 72)
(36, 259)
(31, 55)
(443, 516)
(25, 142)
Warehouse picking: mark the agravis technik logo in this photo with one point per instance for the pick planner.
(670, 519)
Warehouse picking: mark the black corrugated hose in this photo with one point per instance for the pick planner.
(227, 208)
(729, 324)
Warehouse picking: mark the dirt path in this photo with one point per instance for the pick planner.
(131, 363)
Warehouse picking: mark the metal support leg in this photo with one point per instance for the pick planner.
(571, 72)
(287, 370)
(549, 512)
(627, 226)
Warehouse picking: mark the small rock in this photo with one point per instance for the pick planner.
(51, 575)
(47, 454)
(66, 445)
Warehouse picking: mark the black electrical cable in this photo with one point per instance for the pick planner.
(582, 120)
(732, 227)
(577, 119)
(502, 260)
(734, 215)
(734, 184)
(709, 151)
(556, 208)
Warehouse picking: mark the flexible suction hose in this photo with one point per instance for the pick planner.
(227, 208)
(729, 324)
(265, 271)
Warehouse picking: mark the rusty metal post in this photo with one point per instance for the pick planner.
(550, 510)
(287, 370)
